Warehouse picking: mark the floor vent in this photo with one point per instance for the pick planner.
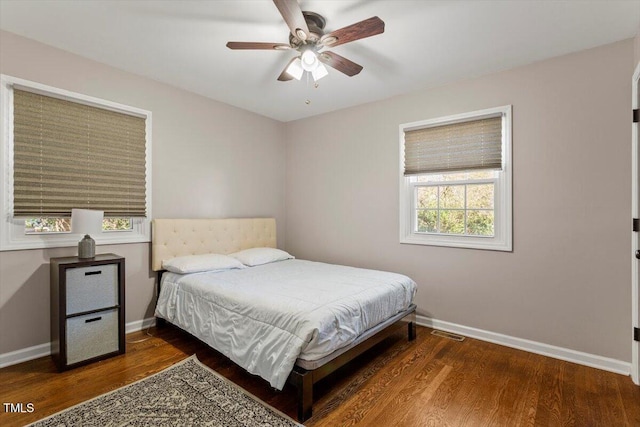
(449, 335)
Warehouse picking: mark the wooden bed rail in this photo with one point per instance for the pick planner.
(303, 380)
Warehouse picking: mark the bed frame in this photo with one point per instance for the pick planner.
(180, 237)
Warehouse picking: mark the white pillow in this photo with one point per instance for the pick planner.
(197, 263)
(259, 256)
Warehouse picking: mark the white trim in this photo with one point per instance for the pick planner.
(587, 359)
(12, 235)
(503, 239)
(635, 244)
(25, 354)
(568, 355)
(139, 325)
(42, 350)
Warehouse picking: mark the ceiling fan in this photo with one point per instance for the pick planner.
(307, 37)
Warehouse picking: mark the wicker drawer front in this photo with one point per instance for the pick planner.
(92, 335)
(92, 288)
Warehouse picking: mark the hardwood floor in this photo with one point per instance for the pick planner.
(432, 381)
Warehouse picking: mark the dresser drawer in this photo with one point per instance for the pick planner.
(92, 335)
(91, 288)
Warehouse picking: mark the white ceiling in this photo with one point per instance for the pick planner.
(425, 43)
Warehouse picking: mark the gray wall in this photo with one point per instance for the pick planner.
(636, 50)
(209, 160)
(568, 280)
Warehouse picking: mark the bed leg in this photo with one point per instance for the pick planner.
(411, 326)
(160, 323)
(303, 382)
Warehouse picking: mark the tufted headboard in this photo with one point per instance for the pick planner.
(178, 237)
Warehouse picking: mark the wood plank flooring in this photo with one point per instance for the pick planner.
(432, 381)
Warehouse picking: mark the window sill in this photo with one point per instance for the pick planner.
(13, 237)
(48, 242)
(483, 243)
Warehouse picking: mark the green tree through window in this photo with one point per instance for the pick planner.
(63, 225)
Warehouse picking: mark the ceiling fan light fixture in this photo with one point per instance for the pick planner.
(301, 34)
(329, 40)
(309, 60)
(319, 72)
(295, 69)
(307, 37)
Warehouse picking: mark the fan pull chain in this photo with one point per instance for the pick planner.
(315, 86)
(307, 101)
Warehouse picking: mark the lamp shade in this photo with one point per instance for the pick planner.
(295, 70)
(86, 221)
(319, 72)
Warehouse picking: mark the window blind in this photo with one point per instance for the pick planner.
(475, 144)
(70, 155)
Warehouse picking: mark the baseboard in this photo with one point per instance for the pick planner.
(41, 350)
(139, 325)
(587, 359)
(22, 355)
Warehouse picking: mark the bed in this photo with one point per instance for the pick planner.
(288, 321)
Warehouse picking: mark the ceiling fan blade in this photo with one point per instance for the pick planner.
(258, 45)
(340, 63)
(284, 76)
(292, 15)
(360, 30)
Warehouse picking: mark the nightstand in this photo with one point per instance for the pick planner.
(87, 309)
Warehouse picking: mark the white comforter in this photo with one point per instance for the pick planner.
(265, 317)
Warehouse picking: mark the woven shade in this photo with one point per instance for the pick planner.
(69, 155)
(461, 146)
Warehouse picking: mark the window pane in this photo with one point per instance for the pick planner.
(455, 208)
(458, 176)
(482, 174)
(480, 196)
(116, 224)
(465, 176)
(47, 225)
(427, 221)
(452, 196)
(428, 197)
(452, 221)
(63, 225)
(480, 222)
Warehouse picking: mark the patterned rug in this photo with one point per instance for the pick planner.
(185, 394)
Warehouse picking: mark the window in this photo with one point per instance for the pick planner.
(455, 181)
(63, 150)
(63, 225)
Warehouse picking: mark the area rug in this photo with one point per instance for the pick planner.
(185, 394)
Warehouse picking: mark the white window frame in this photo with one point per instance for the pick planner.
(12, 231)
(503, 210)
